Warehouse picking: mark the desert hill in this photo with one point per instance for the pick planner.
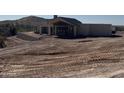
(28, 23)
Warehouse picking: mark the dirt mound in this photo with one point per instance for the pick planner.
(121, 75)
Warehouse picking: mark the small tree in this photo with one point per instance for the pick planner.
(13, 30)
(2, 43)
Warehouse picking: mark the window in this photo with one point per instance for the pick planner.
(44, 30)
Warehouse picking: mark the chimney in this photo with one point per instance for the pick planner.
(55, 16)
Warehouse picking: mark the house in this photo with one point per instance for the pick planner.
(70, 27)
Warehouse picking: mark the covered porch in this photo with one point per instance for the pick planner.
(63, 29)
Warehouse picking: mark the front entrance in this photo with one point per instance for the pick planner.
(64, 31)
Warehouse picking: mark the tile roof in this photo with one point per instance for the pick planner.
(69, 20)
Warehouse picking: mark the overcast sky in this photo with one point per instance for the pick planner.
(109, 19)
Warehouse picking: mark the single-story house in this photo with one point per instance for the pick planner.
(70, 27)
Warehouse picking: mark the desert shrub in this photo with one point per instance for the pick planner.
(7, 30)
(24, 28)
(2, 41)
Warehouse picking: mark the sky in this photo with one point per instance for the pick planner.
(106, 19)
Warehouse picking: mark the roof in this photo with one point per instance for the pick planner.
(69, 20)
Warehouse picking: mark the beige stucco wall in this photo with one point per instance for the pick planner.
(95, 30)
(100, 30)
(83, 30)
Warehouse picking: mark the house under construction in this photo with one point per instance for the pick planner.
(70, 27)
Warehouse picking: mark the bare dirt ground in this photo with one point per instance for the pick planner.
(54, 57)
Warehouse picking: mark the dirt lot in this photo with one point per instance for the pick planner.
(54, 57)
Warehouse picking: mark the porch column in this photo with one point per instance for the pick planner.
(49, 30)
(40, 29)
(75, 31)
(55, 30)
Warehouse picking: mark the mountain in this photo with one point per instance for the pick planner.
(31, 20)
(26, 23)
(29, 23)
